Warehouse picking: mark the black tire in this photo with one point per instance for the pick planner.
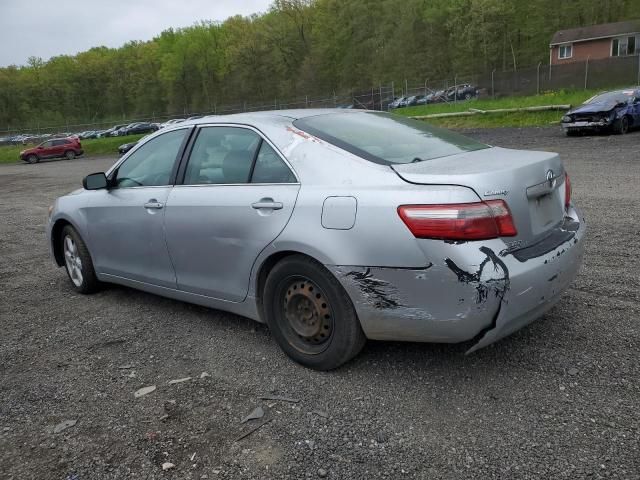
(621, 125)
(88, 282)
(572, 133)
(32, 159)
(70, 154)
(331, 330)
(468, 96)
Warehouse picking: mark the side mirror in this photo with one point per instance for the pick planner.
(95, 181)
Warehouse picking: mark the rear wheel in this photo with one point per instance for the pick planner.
(70, 154)
(310, 315)
(621, 126)
(78, 262)
(33, 159)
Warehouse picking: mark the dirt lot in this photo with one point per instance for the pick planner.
(560, 399)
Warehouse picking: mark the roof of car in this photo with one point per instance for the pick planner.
(292, 115)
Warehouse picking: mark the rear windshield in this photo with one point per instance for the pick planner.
(385, 138)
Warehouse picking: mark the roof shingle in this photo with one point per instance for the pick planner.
(596, 31)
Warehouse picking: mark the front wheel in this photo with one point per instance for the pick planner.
(32, 159)
(310, 315)
(70, 154)
(78, 262)
(621, 126)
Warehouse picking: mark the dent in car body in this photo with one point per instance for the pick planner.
(485, 282)
(472, 293)
(380, 292)
(413, 304)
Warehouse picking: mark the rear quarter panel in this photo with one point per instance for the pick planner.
(378, 236)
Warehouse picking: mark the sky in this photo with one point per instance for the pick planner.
(46, 28)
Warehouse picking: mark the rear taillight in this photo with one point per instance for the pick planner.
(567, 191)
(459, 221)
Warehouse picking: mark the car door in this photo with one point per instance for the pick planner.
(125, 222)
(237, 195)
(45, 150)
(61, 146)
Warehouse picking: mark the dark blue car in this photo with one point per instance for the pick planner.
(616, 111)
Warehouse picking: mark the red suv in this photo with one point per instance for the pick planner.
(68, 148)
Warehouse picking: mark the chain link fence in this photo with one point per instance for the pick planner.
(590, 74)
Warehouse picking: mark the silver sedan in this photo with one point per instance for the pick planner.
(332, 226)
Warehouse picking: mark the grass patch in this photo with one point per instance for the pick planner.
(497, 120)
(91, 147)
(10, 154)
(492, 120)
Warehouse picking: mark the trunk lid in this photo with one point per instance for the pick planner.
(530, 182)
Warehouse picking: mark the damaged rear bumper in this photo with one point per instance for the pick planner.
(473, 290)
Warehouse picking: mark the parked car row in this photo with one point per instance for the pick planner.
(26, 138)
(119, 130)
(460, 92)
(129, 129)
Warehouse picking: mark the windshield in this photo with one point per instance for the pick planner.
(385, 138)
(622, 96)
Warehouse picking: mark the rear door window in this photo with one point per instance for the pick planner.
(222, 155)
(270, 168)
(234, 155)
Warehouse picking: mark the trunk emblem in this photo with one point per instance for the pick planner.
(551, 180)
(494, 193)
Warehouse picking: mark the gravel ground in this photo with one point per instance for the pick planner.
(558, 399)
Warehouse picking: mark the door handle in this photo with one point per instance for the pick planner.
(154, 204)
(267, 203)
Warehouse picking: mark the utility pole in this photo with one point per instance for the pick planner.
(538, 79)
(586, 72)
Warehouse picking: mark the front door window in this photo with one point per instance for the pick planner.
(151, 164)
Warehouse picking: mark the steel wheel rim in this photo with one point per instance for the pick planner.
(306, 315)
(72, 261)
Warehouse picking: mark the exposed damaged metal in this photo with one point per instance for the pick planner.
(499, 285)
(380, 292)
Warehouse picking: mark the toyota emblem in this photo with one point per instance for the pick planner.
(551, 179)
